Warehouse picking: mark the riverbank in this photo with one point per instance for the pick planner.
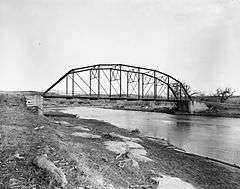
(168, 160)
(95, 154)
(173, 157)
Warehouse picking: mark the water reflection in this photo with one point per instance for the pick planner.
(207, 136)
(179, 133)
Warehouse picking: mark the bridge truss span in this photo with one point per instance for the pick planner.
(118, 82)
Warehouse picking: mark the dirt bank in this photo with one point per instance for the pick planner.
(217, 109)
(95, 154)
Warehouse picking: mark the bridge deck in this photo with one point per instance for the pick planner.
(115, 98)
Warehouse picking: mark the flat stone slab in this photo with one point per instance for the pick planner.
(64, 123)
(85, 135)
(82, 128)
(168, 182)
(137, 151)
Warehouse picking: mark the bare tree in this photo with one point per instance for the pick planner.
(224, 94)
(189, 90)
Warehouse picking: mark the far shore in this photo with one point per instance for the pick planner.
(215, 110)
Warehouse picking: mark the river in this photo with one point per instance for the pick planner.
(214, 137)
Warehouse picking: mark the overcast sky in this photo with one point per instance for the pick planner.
(196, 41)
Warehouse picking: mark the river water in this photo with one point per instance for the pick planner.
(214, 137)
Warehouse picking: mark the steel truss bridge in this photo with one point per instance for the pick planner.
(118, 82)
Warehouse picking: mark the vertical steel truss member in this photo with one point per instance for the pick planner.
(139, 84)
(67, 85)
(127, 82)
(155, 85)
(147, 85)
(110, 82)
(111, 78)
(99, 83)
(168, 88)
(136, 80)
(116, 76)
(142, 86)
(90, 82)
(162, 87)
(180, 92)
(120, 81)
(130, 81)
(72, 84)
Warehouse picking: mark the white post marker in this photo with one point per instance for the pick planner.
(35, 101)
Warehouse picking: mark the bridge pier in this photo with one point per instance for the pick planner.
(184, 106)
(191, 106)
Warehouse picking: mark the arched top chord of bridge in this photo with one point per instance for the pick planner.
(118, 82)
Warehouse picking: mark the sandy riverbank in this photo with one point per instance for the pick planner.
(95, 154)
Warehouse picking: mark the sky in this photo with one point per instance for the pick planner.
(195, 41)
